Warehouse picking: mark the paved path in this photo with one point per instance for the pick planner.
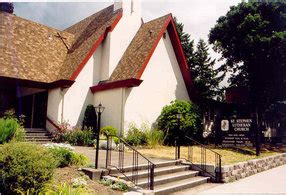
(271, 181)
(128, 157)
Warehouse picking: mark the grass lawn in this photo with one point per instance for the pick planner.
(229, 156)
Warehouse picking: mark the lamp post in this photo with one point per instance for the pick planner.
(99, 109)
(179, 116)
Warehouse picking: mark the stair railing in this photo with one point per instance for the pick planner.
(201, 162)
(121, 158)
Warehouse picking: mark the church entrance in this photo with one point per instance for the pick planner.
(34, 108)
(30, 102)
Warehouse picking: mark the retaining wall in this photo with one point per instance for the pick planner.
(240, 170)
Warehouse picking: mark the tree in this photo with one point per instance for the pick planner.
(90, 118)
(187, 43)
(201, 66)
(252, 39)
(206, 77)
(190, 123)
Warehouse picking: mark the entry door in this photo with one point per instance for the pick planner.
(34, 107)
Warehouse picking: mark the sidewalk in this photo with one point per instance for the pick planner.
(128, 157)
(271, 181)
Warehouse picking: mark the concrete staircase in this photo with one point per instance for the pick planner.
(170, 176)
(38, 135)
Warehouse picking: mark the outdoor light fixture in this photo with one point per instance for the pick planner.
(99, 109)
(179, 115)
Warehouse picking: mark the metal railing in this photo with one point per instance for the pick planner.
(201, 162)
(135, 161)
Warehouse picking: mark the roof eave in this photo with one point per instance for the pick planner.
(116, 84)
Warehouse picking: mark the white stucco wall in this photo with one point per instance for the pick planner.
(69, 104)
(112, 100)
(162, 83)
(118, 40)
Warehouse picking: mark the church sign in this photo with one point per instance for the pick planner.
(236, 132)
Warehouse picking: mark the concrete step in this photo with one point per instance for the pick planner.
(145, 166)
(39, 140)
(178, 185)
(38, 134)
(167, 178)
(157, 171)
(35, 129)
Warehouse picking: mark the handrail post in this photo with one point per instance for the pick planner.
(218, 172)
(107, 151)
(176, 150)
(152, 177)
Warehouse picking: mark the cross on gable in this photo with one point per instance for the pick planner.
(63, 39)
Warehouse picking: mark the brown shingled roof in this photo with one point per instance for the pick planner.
(35, 52)
(136, 57)
(139, 49)
(89, 34)
(30, 50)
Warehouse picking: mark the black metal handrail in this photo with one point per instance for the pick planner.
(202, 164)
(135, 157)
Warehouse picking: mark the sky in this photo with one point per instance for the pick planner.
(198, 16)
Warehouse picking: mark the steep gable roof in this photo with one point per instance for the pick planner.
(31, 51)
(136, 57)
(89, 33)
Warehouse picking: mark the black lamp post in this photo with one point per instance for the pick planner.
(99, 109)
(179, 116)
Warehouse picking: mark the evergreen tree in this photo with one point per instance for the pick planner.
(206, 77)
(187, 43)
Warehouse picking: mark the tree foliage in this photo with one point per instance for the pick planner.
(190, 123)
(186, 41)
(201, 66)
(252, 39)
(206, 77)
(90, 118)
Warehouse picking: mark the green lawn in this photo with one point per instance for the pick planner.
(229, 156)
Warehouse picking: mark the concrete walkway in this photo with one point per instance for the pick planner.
(128, 157)
(271, 181)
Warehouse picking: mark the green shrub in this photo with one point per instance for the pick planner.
(65, 189)
(8, 128)
(108, 130)
(66, 157)
(190, 123)
(11, 127)
(74, 136)
(90, 118)
(80, 137)
(135, 136)
(25, 166)
(155, 137)
(19, 134)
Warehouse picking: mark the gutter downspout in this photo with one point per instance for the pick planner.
(62, 92)
(122, 108)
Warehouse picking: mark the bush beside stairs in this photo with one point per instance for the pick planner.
(170, 176)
